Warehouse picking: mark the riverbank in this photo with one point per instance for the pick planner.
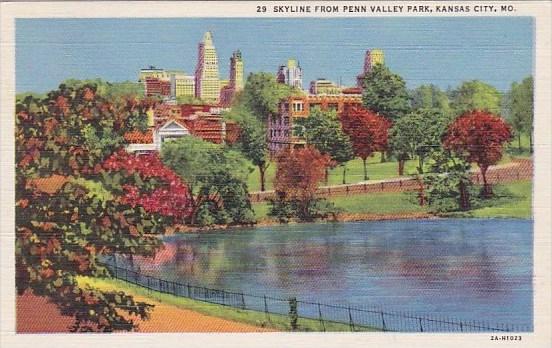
(180, 314)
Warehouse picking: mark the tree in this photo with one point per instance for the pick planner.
(475, 95)
(212, 173)
(430, 97)
(520, 109)
(73, 208)
(385, 93)
(447, 186)
(367, 131)
(298, 173)
(417, 134)
(323, 131)
(478, 136)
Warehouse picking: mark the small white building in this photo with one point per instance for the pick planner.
(170, 130)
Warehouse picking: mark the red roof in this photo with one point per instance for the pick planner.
(137, 137)
(50, 185)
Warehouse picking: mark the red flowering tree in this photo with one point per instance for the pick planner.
(298, 173)
(479, 137)
(368, 132)
(78, 203)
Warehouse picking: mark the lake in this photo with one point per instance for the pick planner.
(456, 268)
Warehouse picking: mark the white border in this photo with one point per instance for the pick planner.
(540, 10)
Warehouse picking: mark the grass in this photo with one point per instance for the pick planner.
(276, 321)
(355, 171)
(512, 200)
(376, 203)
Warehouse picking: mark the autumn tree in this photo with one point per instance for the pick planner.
(478, 137)
(79, 202)
(323, 131)
(416, 135)
(298, 174)
(368, 132)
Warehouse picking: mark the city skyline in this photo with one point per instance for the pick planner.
(115, 49)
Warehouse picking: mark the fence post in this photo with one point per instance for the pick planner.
(242, 301)
(461, 327)
(351, 322)
(223, 303)
(293, 314)
(421, 326)
(266, 309)
(365, 188)
(321, 319)
(383, 322)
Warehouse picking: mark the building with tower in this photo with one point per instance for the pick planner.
(291, 74)
(235, 83)
(207, 81)
(371, 59)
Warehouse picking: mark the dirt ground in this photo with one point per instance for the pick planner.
(36, 315)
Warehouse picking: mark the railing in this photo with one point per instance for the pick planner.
(326, 316)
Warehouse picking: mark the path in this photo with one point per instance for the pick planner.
(36, 315)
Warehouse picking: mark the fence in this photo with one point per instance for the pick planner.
(324, 316)
(521, 169)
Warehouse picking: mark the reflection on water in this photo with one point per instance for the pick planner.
(469, 268)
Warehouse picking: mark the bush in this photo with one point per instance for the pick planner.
(318, 208)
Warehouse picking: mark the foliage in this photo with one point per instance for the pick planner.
(323, 131)
(110, 90)
(189, 100)
(216, 176)
(475, 95)
(478, 137)
(385, 93)
(447, 186)
(368, 132)
(262, 93)
(298, 173)
(71, 211)
(417, 134)
(430, 97)
(520, 108)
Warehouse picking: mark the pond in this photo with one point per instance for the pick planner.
(455, 268)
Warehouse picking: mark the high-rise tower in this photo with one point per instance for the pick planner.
(236, 71)
(291, 74)
(371, 58)
(207, 82)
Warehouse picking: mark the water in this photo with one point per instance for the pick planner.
(458, 268)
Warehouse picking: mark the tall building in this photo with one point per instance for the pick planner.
(235, 83)
(291, 74)
(236, 71)
(371, 58)
(182, 85)
(207, 82)
(152, 72)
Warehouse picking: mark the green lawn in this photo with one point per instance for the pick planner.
(513, 147)
(274, 321)
(513, 200)
(355, 172)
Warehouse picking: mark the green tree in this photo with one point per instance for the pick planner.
(216, 176)
(430, 97)
(385, 93)
(447, 187)
(323, 131)
(110, 90)
(416, 135)
(520, 109)
(475, 95)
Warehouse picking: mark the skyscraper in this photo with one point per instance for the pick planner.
(291, 74)
(236, 71)
(371, 58)
(207, 82)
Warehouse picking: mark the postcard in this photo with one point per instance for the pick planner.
(291, 173)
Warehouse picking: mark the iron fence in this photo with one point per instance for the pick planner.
(325, 315)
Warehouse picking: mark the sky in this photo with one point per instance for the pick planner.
(442, 51)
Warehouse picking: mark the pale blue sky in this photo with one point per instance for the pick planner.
(443, 51)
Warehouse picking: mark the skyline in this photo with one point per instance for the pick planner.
(116, 49)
